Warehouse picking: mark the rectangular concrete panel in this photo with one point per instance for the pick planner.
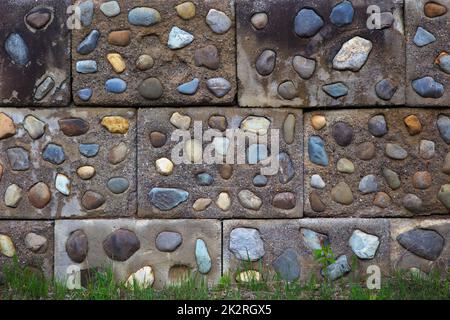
(67, 163)
(34, 53)
(199, 186)
(177, 50)
(172, 249)
(376, 163)
(32, 243)
(286, 248)
(295, 51)
(427, 52)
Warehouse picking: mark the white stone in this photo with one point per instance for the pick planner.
(317, 182)
(110, 8)
(179, 38)
(193, 151)
(35, 242)
(143, 278)
(223, 201)
(62, 184)
(249, 200)
(7, 246)
(180, 121)
(364, 245)
(246, 244)
(13, 195)
(353, 54)
(254, 124)
(164, 166)
(221, 145)
(218, 21)
(34, 126)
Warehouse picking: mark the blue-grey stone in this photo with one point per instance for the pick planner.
(368, 184)
(427, 244)
(118, 185)
(168, 241)
(246, 244)
(316, 151)
(54, 153)
(260, 181)
(189, 88)
(427, 87)
(218, 21)
(336, 90)
(423, 37)
(218, 86)
(364, 245)
(143, 16)
(342, 14)
(179, 38)
(86, 13)
(204, 179)
(202, 257)
(307, 23)
(17, 49)
(286, 169)
(86, 66)
(89, 150)
(443, 124)
(166, 199)
(314, 240)
(378, 126)
(337, 270)
(110, 8)
(287, 265)
(85, 94)
(89, 43)
(116, 85)
(256, 153)
(18, 158)
(385, 89)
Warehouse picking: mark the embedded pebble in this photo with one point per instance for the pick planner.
(342, 133)
(180, 121)
(353, 54)
(186, 10)
(427, 87)
(77, 246)
(18, 158)
(427, 149)
(86, 172)
(7, 127)
(121, 38)
(286, 171)
(115, 124)
(164, 166)
(86, 66)
(337, 269)
(412, 203)
(218, 21)
(382, 200)
(218, 122)
(336, 90)
(394, 151)
(117, 62)
(259, 20)
(342, 14)
(166, 199)
(318, 122)
(314, 240)
(54, 153)
(341, 193)
(92, 200)
(223, 201)
(121, 245)
(413, 124)
(284, 200)
(287, 90)
(249, 276)
(443, 61)
(316, 202)
(39, 195)
(249, 200)
(246, 244)
(39, 18)
(168, 241)
(143, 16)
(143, 279)
(158, 139)
(204, 179)
(433, 9)
(202, 257)
(89, 43)
(307, 23)
(151, 89)
(385, 89)
(392, 178)
(189, 88)
(423, 37)
(316, 151)
(194, 151)
(444, 195)
(145, 62)
(62, 184)
(118, 185)
(255, 124)
(366, 151)
(221, 145)
(89, 150)
(44, 88)
(368, 184)
(35, 243)
(289, 129)
(317, 182)
(378, 126)
(17, 49)
(218, 86)
(443, 124)
(386, 20)
(179, 38)
(260, 181)
(422, 180)
(446, 166)
(287, 266)
(34, 126)
(7, 246)
(304, 67)
(208, 57)
(345, 166)
(225, 171)
(110, 8)
(85, 94)
(201, 204)
(13, 195)
(427, 244)
(265, 64)
(364, 245)
(256, 153)
(118, 153)
(116, 85)
(86, 12)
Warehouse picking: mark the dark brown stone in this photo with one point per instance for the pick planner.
(208, 57)
(39, 195)
(158, 139)
(218, 122)
(365, 151)
(433, 9)
(121, 245)
(77, 246)
(226, 171)
(120, 38)
(316, 203)
(39, 18)
(92, 200)
(73, 127)
(285, 200)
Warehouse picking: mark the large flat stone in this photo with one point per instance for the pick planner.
(97, 231)
(171, 67)
(43, 52)
(281, 197)
(65, 131)
(421, 173)
(386, 59)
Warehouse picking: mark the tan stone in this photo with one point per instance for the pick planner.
(433, 9)
(7, 246)
(201, 204)
(86, 172)
(164, 166)
(116, 124)
(120, 38)
(223, 201)
(7, 127)
(342, 194)
(413, 124)
(186, 10)
(318, 122)
(117, 62)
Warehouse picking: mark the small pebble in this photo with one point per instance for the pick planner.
(427, 149)
(143, 16)
(265, 64)
(201, 204)
(86, 12)
(317, 182)
(225, 171)
(164, 166)
(118, 153)
(316, 202)
(260, 181)
(318, 122)
(427, 87)
(342, 14)
(117, 62)
(218, 86)
(145, 62)
(110, 8)
(86, 172)
(89, 150)
(433, 9)
(85, 94)
(378, 126)
(92, 200)
(422, 180)
(115, 85)
(307, 23)
(218, 21)
(7, 127)
(345, 166)
(151, 89)
(287, 90)
(342, 133)
(34, 126)
(368, 184)
(392, 178)
(382, 200)
(62, 184)
(413, 124)
(394, 151)
(204, 179)
(179, 38)
(121, 38)
(186, 10)
(13, 195)
(118, 185)
(259, 20)
(385, 89)
(223, 201)
(180, 121)
(158, 139)
(208, 57)
(89, 43)
(86, 66)
(423, 37)
(218, 122)
(336, 90)
(341, 193)
(115, 124)
(39, 195)
(189, 88)
(17, 49)
(54, 153)
(304, 67)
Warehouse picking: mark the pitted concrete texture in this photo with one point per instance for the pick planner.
(377, 163)
(288, 61)
(289, 246)
(32, 243)
(150, 40)
(229, 190)
(428, 52)
(67, 163)
(34, 53)
(420, 244)
(168, 247)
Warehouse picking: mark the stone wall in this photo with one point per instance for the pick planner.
(330, 93)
